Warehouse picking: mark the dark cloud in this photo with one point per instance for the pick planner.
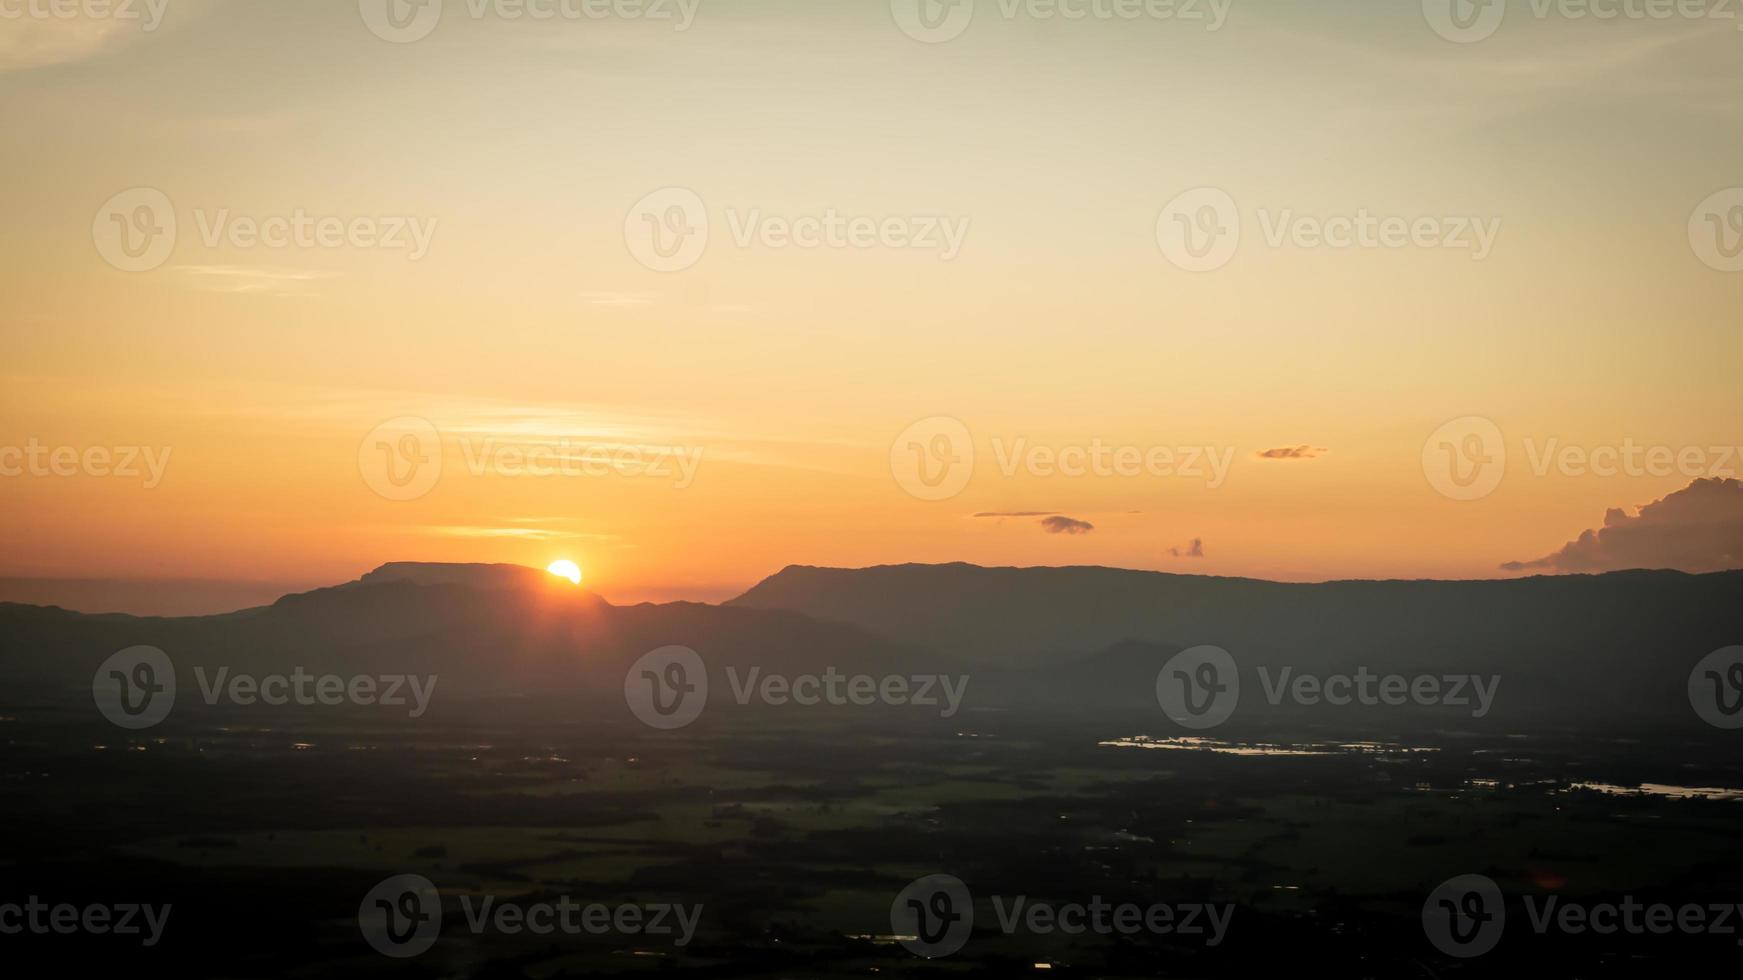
(1696, 529)
(1293, 452)
(1059, 524)
(1193, 550)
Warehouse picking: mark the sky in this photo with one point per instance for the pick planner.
(689, 292)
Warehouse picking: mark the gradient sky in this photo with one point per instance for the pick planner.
(1592, 322)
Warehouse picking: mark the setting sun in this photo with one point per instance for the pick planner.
(564, 568)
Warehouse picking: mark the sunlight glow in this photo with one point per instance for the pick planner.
(564, 568)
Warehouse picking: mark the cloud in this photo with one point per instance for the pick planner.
(1193, 550)
(253, 279)
(39, 42)
(1696, 529)
(1059, 524)
(1293, 452)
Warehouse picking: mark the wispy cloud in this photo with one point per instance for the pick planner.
(1193, 550)
(1060, 524)
(1293, 452)
(514, 533)
(38, 42)
(260, 280)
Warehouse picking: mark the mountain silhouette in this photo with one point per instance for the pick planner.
(1587, 652)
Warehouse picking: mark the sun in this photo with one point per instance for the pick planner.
(564, 568)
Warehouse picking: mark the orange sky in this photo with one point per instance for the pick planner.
(773, 379)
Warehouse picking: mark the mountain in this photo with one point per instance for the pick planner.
(1079, 645)
(487, 632)
(1580, 649)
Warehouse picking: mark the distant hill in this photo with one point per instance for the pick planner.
(487, 631)
(1080, 644)
(1583, 649)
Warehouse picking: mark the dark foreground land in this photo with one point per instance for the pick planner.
(265, 835)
